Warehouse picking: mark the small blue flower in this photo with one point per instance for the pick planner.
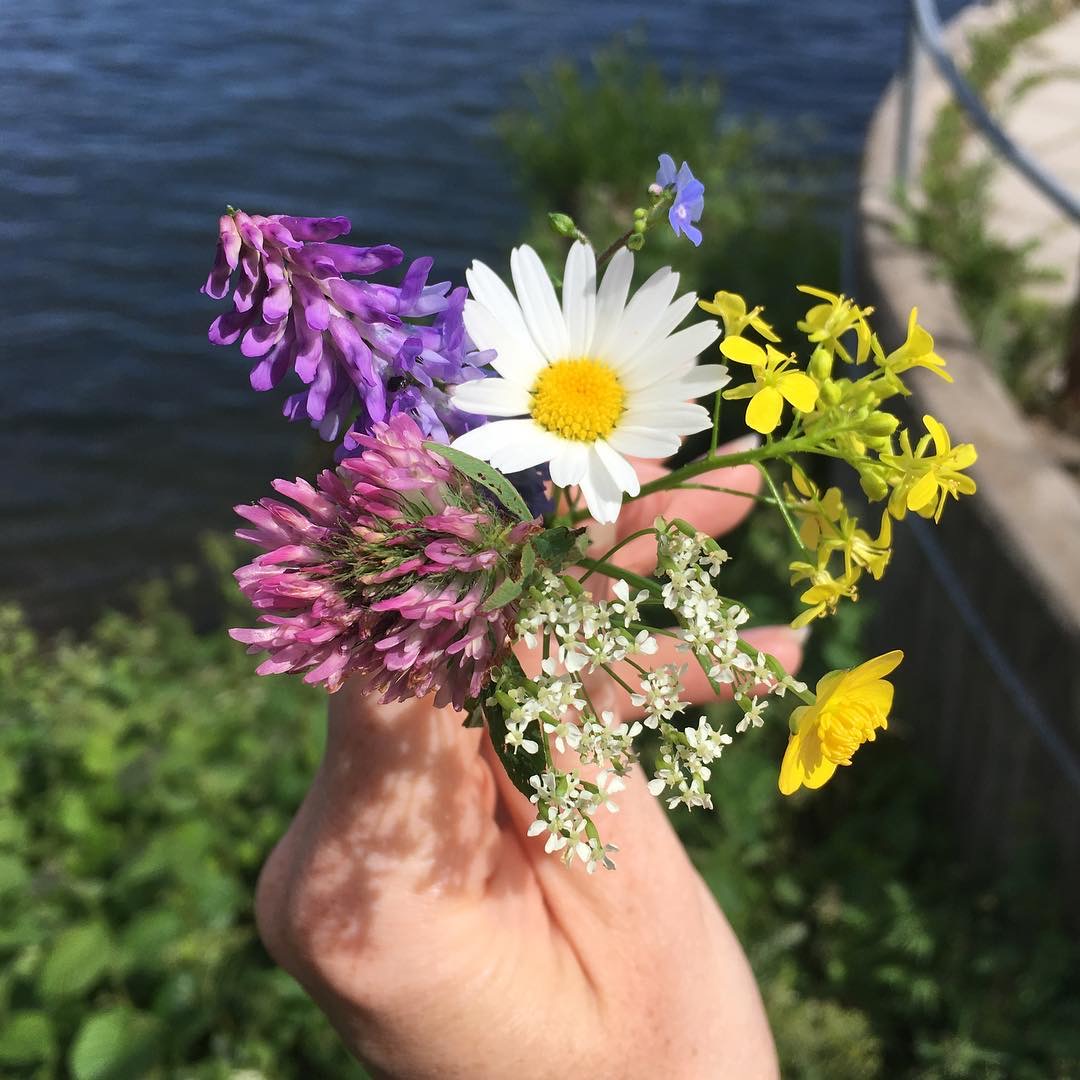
(689, 198)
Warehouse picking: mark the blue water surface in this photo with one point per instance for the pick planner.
(126, 125)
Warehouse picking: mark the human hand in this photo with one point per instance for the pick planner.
(441, 942)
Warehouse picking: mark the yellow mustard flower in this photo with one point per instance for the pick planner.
(826, 323)
(922, 482)
(827, 527)
(825, 591)
(850, 708)
(773, 383)
(731, 307)
(917, 351)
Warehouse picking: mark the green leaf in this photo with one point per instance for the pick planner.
(116, 1044)
(519, 764)
(80, 956)
(555, 547)
(507, 590)
(26, 1038)
(483, 473)
(528, 560)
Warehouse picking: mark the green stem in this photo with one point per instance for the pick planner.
(617, 572)
(778, 448)
(622, 682)
(660, 206)
(781, 504)
(714, 438)
(621, 544)
(775, 667)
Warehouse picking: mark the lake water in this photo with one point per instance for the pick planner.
(126, 125)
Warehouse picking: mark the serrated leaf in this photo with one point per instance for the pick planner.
(78, 959)
(117, 1044)
(483, 473)
(26, 1038)
(508, 590)
(554, 547)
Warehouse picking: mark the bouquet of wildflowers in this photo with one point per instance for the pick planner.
(478, 430)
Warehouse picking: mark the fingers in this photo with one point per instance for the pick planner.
(399, 820)
(713, 512)
(782, 642)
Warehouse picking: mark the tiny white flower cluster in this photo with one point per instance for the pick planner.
(603, 742)
(588, 633)
(545, 701)
(685, 763)
(661, 694)
(564, 808)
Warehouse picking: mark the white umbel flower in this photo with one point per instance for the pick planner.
(589, 382)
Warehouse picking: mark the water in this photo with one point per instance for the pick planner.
(126, 125)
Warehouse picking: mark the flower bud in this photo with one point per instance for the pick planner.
(821, 364)
(564, 225)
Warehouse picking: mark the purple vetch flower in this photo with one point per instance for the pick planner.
(383, 573)
(689, 201)
(348, 339)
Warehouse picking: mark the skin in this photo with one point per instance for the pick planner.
(441, 942)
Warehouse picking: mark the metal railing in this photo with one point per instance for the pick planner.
(925, 31)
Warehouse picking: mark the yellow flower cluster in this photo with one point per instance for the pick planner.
(839, 413)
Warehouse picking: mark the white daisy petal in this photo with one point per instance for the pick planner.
(677, 417)
(704, 379)
(569, 463)
(541, 310)
(643, 442)
(643, 312)
(611, 299)
(669, 356)
(489, 289)
(492, 397)
(602, 495)
(622, 472)
(517, 357)
(579, 298)
(676, 312)
(510, 445)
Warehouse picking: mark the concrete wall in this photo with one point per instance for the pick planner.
(987, 606)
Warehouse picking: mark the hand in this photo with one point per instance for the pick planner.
(441, 942)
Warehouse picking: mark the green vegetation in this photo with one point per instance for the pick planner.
(144, 776)
(145, 773)
(587, 142)
(1022, 334)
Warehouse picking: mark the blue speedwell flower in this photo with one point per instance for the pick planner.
(689, 198)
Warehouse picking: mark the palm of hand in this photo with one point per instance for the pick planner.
(442, 942)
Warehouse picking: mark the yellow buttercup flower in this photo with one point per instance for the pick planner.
(731, 307)
(922, 482)
(773, 383)
(851, 707)
(826, 323)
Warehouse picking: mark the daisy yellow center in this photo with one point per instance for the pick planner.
(579, 399)
(843, 731)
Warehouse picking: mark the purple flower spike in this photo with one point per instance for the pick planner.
(382, 574)
(689, 201)
(353, 342)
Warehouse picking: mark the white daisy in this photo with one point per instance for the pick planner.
(591, 381)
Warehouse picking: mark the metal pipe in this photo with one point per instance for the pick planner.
(927, 21)
(909, 92)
